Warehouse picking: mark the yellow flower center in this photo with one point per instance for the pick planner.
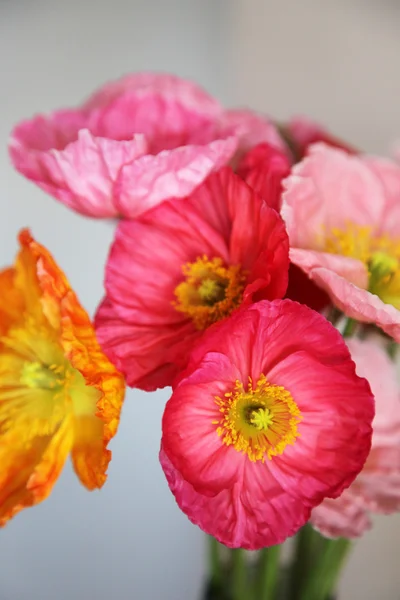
(258, 422)
(380, 254)
(210, 292)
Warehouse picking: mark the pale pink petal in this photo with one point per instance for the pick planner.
(336, 410)
(252, 129)
(343, 517)
(83, 175)
(351, 269)
(388, 173)
(172, 173)
(330, 189)
(239, 517)
(357, 303)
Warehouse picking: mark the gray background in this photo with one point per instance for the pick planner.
(336, 60)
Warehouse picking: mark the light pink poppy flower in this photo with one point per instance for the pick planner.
(179, 268)
(267, 420)
(377, 487)
(136, 142)
(342, 214)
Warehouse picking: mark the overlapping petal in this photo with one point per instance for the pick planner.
(138, 324)
(253, 503)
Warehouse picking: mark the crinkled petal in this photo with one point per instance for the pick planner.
(263, 168)
(330, 189)
(343, 517)
(357, 303)
(388, 173)
(351, 269)
(172, 173)
(78, 341)
(237, 518)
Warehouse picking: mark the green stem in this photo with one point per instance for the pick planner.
(392, 349)
(268, 573)
(349, 328)
(323, 576)
(215, 562)
(304, 544)
(239, 573)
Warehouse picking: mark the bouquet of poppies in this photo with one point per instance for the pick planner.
(255, 270)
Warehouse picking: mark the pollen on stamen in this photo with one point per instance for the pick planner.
(260, 421)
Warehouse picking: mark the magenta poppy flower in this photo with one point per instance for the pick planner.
(182, 266)
(134, 143)
(268, 419)
(342, 213)
(377, 487)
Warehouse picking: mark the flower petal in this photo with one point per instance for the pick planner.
(172, 173)
(329, 189)
(263, 168)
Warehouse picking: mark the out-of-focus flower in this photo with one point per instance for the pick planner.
(377, 487)
(301, 132)
(267, 420)
(342, 213)
(181, 267)
(134, 143)
(59, 394)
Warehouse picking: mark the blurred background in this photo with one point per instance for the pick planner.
(336, 61)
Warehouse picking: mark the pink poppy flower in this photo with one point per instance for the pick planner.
(267, 420)
(302, 132)
(182, 266)
(134, 143)
(377, 487)
(342, 214)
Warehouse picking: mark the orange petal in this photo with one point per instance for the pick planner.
(11, 301)
(81, 347)
(89, 456)
(29, 468)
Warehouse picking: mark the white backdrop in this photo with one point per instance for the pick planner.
(338, 61)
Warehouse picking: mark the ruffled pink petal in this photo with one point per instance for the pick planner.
(330, 189)
(304, 132)
(334, 441)
(165, 121)
(351, 269)
(189, 430)
(373, 363)
(189, 94)
(343, 517)
(173, 173)
(251, 129)
(388, 173)
(263, 169)
(258, 240)
(357, 303)
(237, 518)
(148, 356)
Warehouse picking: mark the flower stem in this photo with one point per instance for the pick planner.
(323, 576)
(349, 327)
(268, 573)
(215, 562)
(239, 573)
(304, 546)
